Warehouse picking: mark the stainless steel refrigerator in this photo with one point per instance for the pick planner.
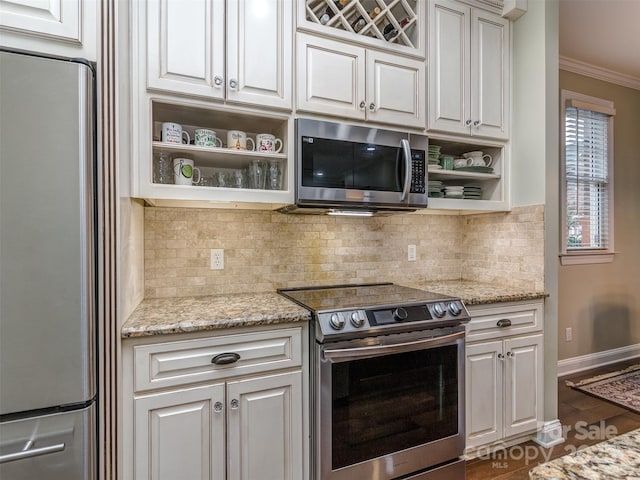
(47, 268)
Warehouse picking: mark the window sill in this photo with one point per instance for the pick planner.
(585, 258)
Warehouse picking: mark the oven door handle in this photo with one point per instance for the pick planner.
(346, 354)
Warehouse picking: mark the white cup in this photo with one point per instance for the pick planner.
(172, 133)
(265, 142)
(184, 172)
(237, 140)
(460, 162)
(478, 159)
(204, 137)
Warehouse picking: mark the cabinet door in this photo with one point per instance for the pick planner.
(259, 46)
(395, 89)
(265, 427)
(490, 75)
(523, 384)
(449, 64)
(331, 77)
(180, 435)
(484, 387)
(185, 46)
(52, 19)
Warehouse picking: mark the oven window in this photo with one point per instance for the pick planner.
(390, 403)
(350, 165)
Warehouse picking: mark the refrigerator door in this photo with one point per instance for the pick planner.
(46, 234)
(52, 447)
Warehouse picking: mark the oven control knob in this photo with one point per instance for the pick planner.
(357, 320)
(439, 310)
(336, 321)
(454, 309)
(400, 314)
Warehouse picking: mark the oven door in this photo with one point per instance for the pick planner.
(390, 405)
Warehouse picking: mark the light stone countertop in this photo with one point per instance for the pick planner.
(618, 458)
(477, 293)
(161, 316)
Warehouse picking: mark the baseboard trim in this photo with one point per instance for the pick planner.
(550, 435)
(598, 359)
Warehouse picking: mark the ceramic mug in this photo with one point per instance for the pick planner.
(237, 140)
(184, 171)
(265, 142)
(460, 162)
(478, 159)
(173, 133)
(206, 138)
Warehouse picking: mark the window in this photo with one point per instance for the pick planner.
(587, 180)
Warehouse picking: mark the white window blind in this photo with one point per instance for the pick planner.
(587, 179)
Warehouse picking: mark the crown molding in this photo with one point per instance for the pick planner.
(599, 73)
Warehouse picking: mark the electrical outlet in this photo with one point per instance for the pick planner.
(411, 253)
(217, 259)
(568, 334)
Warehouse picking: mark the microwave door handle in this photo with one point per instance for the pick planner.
(345, 354)
(406, 153)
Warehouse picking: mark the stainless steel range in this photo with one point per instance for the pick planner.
(387, 377)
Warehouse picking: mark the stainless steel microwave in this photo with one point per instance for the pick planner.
(357, 170)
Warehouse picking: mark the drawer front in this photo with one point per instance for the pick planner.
(494, 321)
(190, 361)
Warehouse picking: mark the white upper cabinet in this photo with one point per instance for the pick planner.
(343, 80)
(56, 27)
(469, 65)
(240, 54)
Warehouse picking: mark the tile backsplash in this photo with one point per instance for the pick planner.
(266, 250)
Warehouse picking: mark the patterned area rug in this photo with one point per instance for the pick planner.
(621, 387)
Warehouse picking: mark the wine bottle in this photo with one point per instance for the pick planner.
(328, 13)
(358, 24)
(390, 31)
(374, 13)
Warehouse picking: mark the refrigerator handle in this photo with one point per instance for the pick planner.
(28, 452)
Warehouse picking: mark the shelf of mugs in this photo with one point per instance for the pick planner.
(215, 156)
(394, 22)
(268, 173)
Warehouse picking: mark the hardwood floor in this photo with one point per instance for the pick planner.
(597, 419)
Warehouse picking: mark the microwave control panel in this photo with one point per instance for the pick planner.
(418, 169)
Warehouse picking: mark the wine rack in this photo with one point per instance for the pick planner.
(390, 21)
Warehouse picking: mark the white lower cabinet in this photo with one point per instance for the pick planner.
(181, 434)
(227, 421)
(504, 381)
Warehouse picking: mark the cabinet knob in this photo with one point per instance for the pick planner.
(477, 123)
(372, 106)
(504, 322)
(235, 404)
(468, 122)
(233, 83)
(217, 81)
(501, 356)
(362, 105)
(217, 407)
(509, 354)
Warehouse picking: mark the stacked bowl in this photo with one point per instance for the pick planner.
(434, 155)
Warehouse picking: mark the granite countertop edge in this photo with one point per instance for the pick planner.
(163, 316)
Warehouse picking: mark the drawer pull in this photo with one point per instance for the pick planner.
(225, 358)
(505, 322)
